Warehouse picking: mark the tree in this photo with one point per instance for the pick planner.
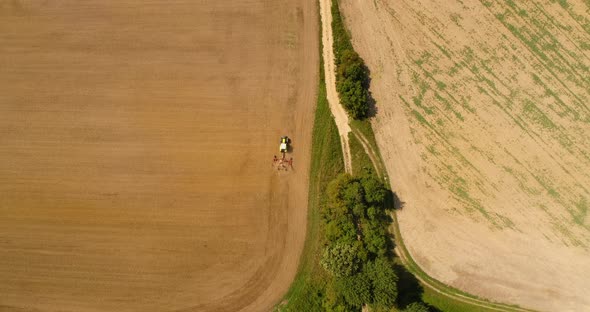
(354, 97)
(375, 191)
(341, 259)
(353, 194)
(351, 83)
(336, 187)
(356, 289)
(352, 66)
(375, 237)
(341, 229)
(384, 280)
(334, 301)
(359, 210)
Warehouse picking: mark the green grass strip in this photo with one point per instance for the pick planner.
(307, 290)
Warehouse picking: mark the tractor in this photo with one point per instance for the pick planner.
(283, 163)
(284, 147)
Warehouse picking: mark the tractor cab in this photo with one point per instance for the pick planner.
(284, 147)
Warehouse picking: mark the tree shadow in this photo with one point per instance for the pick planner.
(408, 287)
(398, 204)
(393, 201)
(373, 109)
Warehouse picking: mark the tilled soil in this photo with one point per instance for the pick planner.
(136, 142)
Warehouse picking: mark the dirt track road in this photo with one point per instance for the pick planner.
(136, 142)
(340, 116)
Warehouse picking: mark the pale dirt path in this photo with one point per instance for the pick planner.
(340, 116)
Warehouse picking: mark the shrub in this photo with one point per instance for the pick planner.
(311, 299)
(341, 39)
(336, 188)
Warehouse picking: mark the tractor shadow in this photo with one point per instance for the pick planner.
(289, 155)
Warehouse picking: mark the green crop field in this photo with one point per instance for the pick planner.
(532, 81)
(483, 121)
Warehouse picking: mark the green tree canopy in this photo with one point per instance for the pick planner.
(354, 97)
(375, 237)
(384, 281)
(341, 259)
(351, 66)
(341, 229)
(375, 191)
(356, 289)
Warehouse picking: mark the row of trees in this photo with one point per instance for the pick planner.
(357, 245)
(357, 253)
(352, 77)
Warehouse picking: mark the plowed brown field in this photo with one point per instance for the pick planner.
(136, 140)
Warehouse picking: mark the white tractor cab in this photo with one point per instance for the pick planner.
(283, 163)
(284, 147)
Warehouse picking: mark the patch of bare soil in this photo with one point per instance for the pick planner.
(136, 141)
(484, 124)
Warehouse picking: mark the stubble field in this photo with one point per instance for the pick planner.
(136, 140)
(483, 120)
